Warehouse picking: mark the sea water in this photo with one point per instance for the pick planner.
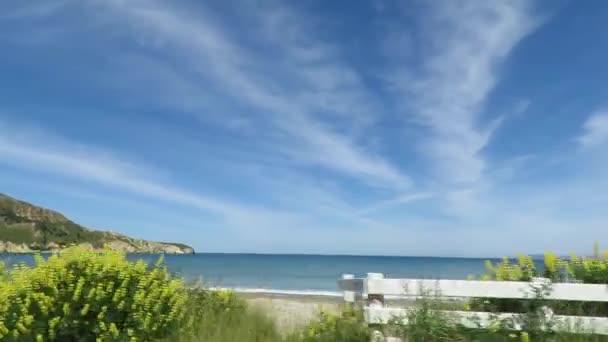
(299, 274)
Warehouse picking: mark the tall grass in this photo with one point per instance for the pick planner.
(428, 322)
(248, 325)
(221, 316)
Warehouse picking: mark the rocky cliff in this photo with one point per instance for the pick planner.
(26, 228)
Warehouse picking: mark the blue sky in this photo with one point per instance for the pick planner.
(473, 128)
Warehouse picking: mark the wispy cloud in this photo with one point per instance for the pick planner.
(46, 153)
(398, 201)
(467, 42)
(272, 122)
(33, 9)
(595, 129)
(211, 53)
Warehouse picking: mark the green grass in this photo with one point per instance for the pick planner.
(428, 323)
(226, 326)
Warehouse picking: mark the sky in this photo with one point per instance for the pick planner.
(437, 128)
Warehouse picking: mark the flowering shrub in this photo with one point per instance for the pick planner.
(80, 295)
(344, 327)
(222, 316)
(592, 270)
(586, 270)
(523, 270)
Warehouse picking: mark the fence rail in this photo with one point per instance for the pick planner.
(370, 293)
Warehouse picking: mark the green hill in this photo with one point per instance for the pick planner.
(25, 227)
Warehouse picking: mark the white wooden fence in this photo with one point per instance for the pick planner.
(370, 292)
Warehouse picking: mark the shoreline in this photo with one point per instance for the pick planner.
(300, 297)
(282, 292)
(292, 311)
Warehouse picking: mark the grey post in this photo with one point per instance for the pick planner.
(375, 300)
(349, 296)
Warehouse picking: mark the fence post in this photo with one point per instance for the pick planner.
(375, 300)
(349, 296)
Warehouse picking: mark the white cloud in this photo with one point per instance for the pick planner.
(322, 222)
(32, 9)
(210, 53)
(398, 201)
(41, 151)
(308, 107)
(595, 129)
(46, 153)
(466, 43)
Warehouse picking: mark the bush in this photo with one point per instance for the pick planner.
(346, 327)
(221, 316)
(427, 322)
(84, 296)
(575, 269)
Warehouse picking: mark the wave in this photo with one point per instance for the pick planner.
(315, 293)
(283, 292)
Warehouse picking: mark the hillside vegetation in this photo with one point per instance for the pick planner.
(25, 227)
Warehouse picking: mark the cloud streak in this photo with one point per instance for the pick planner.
(595, 129)
(39, 153)
(211, 54)
(287, 128)
(467, 42)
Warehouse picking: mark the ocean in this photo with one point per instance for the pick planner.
(299, 274)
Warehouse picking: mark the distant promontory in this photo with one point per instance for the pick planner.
(26, 228)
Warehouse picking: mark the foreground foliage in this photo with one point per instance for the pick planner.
(344, 327)
(588, 270)
(80, 295)
(221, 316)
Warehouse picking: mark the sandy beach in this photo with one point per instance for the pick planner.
(291, 311)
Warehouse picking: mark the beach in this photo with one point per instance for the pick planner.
(292, 310)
